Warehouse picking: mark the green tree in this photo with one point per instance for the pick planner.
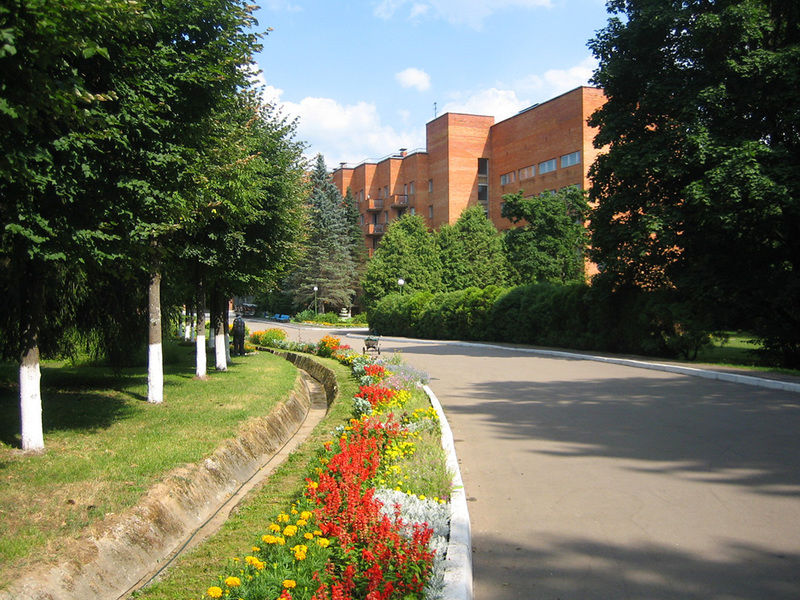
(358, 249)
(407, 251)
(471, 251)
(698, 190)
(550, 242)
(50, 54)
(328, 259)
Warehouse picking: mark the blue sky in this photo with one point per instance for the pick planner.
(362, 76)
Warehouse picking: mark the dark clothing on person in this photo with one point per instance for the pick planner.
(238, 336)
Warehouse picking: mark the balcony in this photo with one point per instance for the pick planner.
(375, 204)
(374, 229)
(398, 201)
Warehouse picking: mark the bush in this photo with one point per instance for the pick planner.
(547, 314)
(267, 337)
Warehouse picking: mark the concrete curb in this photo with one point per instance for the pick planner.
(458, 563)
(774, 384)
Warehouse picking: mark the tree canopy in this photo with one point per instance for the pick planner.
(550, 242)
(698, 190)
(407, 251)
(471, 252)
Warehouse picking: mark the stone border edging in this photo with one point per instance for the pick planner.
(458, 562)
(316, 369)
(774, 384)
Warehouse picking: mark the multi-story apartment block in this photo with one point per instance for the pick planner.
(470, 159)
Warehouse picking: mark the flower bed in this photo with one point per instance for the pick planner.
(367, 525)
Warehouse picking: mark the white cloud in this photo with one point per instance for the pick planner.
(345, 133)
(500, 104)
(281, 6)
(557, 81)
(457, 12)
(415, 78)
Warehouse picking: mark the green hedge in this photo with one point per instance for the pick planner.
(567, 316)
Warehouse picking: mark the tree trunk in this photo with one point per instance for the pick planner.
(30, 400)
(30, 395)
(155, 363)
(200, 342)
(219, 333)
(226, 313)
(187, 323)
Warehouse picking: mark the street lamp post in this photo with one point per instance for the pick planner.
(316, 312)
(401, 282)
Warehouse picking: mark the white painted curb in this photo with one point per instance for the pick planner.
(458, 563)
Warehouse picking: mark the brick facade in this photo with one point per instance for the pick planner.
(545, 147)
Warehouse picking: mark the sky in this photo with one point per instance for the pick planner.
(363, 77)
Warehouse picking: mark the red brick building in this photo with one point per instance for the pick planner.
(470, 159)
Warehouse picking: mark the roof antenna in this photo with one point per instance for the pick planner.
(434, 110)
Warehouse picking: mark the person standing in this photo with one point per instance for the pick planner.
(238, 335)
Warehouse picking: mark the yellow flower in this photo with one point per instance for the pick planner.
(289, 583)
(214, 592)
(306, 514)
(283, 518)
(313, 485)
(290, 530)
(308, 535)
(301, 522)
(233, 582)
(300, 551)
(274, 527)
(323, 542)
(255, 549)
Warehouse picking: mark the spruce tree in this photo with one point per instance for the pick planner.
(328, 261)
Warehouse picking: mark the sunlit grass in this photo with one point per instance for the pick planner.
(105, 445)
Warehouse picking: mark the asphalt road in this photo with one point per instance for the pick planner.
(589, 480)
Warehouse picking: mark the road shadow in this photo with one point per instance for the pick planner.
(570, 568)
(715, 431)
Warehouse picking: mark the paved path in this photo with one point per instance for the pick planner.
(598, 481)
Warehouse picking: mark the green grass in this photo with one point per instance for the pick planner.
(105, 445)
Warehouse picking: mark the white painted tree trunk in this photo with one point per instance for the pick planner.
(155, 374)
(187, 325)
(219, 350)
(155, 362)
(200, 345)
(30, 401)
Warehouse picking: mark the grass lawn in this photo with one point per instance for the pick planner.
(105, 445)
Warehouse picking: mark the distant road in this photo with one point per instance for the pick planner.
(590, 480)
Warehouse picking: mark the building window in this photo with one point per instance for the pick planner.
(547, 166)
(412, 210)
(430, 211)
(361, 218)
(430, 186)
(483, 194)
(508, 178)
(386, 192)
(570, 159)
(405, 189)
(527, 172)
(411, 187)
(483, 166)
(386, 216)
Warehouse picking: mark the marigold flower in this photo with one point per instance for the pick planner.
(289, 583)
(274, 527)
(233, 582)
(306, 514)
(290, 530)
(301, 522)
(308, 535)
(214, 592)
(313, 485)
(283, 518)
(323, 542)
